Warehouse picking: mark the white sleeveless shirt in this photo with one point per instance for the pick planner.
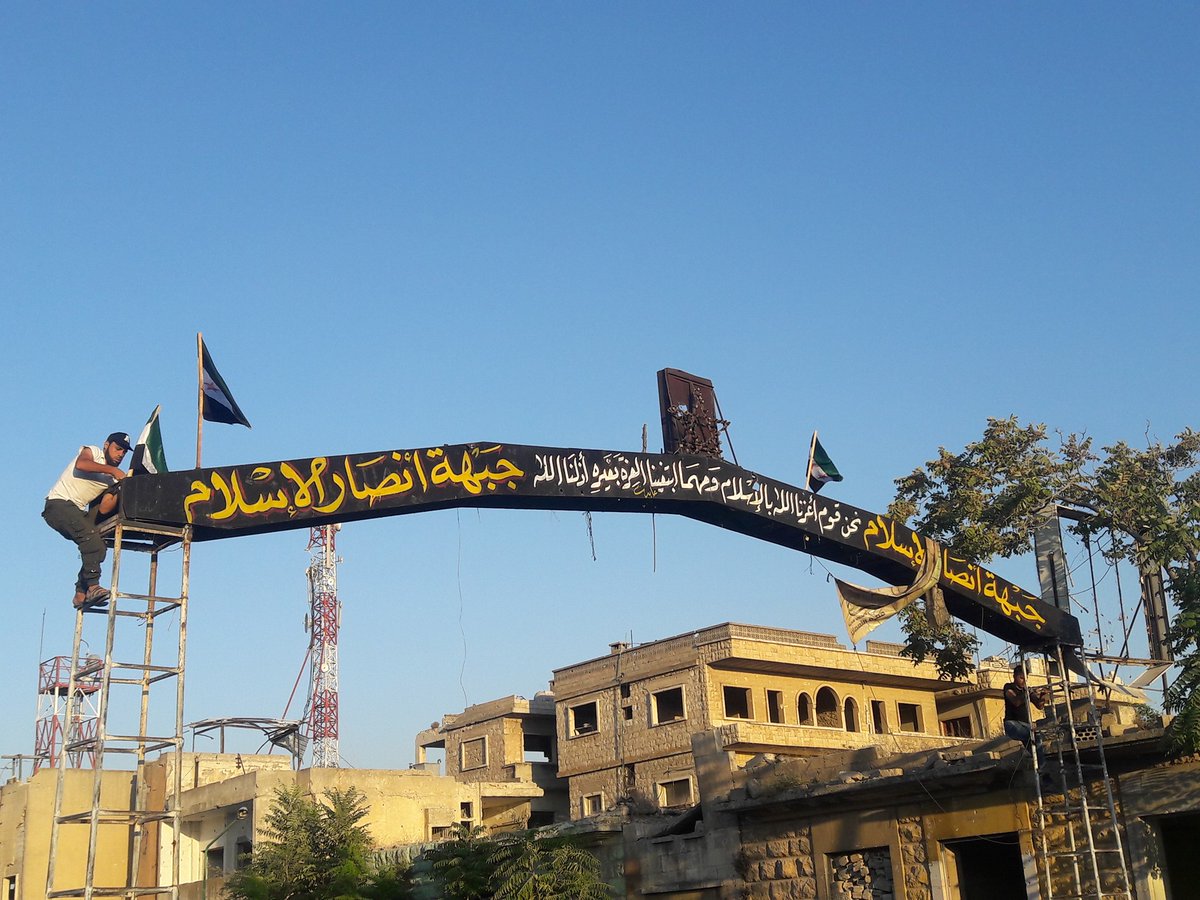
(81, 488)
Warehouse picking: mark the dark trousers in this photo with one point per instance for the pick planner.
(76, 525)
(1020, 731)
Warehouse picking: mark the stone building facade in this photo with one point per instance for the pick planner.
(509, 745)
(958, 823)
(625, 721)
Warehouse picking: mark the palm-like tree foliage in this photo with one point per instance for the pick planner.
(313, 850)
(461, 864)
(517, 866)
(529, 867)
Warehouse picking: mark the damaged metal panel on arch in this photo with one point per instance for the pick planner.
(688, 406)
(266, 497)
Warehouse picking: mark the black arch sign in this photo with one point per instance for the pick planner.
(266, 497)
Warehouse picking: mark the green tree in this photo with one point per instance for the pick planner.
(948, 644)
(313, 850)
(533, 867)
(461, 864)
(517, 866)
(987, 500)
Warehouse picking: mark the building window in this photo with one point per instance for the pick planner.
(879, 716)
(959, 728)
(675, 793)
(537, 748)
(738, 704)
(775, 707)
(243, 853)
(627, 712)
(10, 887)
(829, 711)
(215, 862)
(859, 873)
(850, 708)
(465, 812)
(668, 706)
(472, 754)
(910, 716)
(592, 804)
(585, 719)
(804, 709)
(625, 691)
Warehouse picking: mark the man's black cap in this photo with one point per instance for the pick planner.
(120, 438)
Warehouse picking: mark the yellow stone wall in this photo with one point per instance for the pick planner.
(26, 812)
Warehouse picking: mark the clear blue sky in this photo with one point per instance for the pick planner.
(402, 225)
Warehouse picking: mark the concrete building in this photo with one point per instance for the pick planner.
(406, 806)
(732, 761)
(507, 747)
(957, 824)
(26, 811)
(625, 720)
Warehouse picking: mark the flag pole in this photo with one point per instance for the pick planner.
(200, 395)
(812, 449)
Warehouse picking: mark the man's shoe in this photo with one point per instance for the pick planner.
(95, 596)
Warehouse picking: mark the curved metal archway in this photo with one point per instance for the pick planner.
(275, 496)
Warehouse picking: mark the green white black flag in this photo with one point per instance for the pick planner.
(148, 455)
(821, 469)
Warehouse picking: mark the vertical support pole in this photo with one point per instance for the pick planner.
(59, 788)
(102, 724)
(199, 395)
(176, 803)
(1041, 808)
(140, 788)
(1083, 803)
(1108, 794)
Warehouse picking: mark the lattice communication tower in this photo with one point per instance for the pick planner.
(51, 730)
(324, 620)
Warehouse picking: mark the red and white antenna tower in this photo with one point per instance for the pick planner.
(51, 732)
(325, 618)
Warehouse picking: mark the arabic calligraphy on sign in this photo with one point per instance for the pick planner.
(596, 474)
(327, 485)
(884, 535)
(1014, 602)
(880, 536)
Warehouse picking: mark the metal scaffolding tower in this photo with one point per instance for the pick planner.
(52, 728)
(1078, 838)
(146, 826)
(324, 620)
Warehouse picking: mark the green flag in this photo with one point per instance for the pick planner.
(148, 455)
(821, 469)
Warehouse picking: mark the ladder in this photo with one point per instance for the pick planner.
(128, 828)
(1081, 856)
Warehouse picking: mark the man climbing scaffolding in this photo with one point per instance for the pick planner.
(88, 477)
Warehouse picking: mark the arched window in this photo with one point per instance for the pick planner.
(851, 710)
(829, 711)
(804, 710)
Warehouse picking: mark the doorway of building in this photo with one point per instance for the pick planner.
(987, 867)
(1181, 864)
